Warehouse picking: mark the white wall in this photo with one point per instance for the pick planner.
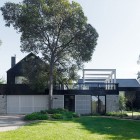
(83, 104)
(23, 104)
(58, 101)
(112, 103)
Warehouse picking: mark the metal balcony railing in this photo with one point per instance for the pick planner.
(88, 86)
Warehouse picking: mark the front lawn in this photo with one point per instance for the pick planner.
(83, 128)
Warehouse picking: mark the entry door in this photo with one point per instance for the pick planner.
(101, 105)
(69, 102)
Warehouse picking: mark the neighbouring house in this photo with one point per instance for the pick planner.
(96, 92)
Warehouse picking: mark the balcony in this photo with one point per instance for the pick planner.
(89, 86)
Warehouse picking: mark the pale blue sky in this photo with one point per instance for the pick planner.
(118, 25)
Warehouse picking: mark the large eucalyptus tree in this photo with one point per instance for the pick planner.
(57, 29)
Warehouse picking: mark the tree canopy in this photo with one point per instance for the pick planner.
(57, 29)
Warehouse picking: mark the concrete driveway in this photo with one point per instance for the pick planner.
(11, 122)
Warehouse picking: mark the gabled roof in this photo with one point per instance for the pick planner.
(128, 83)
(25, 58)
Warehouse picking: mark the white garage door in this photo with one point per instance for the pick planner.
(23, 104)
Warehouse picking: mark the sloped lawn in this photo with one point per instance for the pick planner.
(83, 128)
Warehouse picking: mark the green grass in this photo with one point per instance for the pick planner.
(83, 128)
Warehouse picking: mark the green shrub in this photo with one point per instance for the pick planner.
(36, 116)
(75, 115)
(57, 116)
(68, 115)
(116, 114)
(43, 111)
(54, 111)
(62, 114)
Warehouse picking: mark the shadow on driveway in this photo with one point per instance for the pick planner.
(11, 122)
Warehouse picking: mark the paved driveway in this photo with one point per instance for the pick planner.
(11, 122)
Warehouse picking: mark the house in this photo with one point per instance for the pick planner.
(15, 75)
(96, 92)
(131, 89)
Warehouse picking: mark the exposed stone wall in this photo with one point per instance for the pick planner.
(58, 101)
(3, 104)
(83, 104)
(112, 103)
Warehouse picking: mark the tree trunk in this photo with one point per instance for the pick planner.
(51, 86)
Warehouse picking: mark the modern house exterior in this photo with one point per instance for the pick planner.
(96, 92)
(130, 88)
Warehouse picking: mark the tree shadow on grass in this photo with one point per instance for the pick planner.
(116, 129)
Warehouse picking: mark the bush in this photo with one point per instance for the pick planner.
(43, 111)
(54, 111)
(62, 114)
(68, 115)
(36, 116)
(75, 115)
(57, 116)
(116, 114)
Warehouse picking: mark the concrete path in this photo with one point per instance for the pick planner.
(11, 122)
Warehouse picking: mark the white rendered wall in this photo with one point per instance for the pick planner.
(112, 103)
(58, 101)
(24, 104)
(83, 104)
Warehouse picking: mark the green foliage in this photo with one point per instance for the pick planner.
(63, 114)
(62, 34)
(57, 29)
(117, 114)
(56, 111)
(36, 116)
(122, 102)
(68, 115)
(43, 111)
(75, 115)
(57, 116)
(66, 75)
(52, 113)
(35, 71)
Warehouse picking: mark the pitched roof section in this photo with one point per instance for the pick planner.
(26, 57)
(128, 83)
